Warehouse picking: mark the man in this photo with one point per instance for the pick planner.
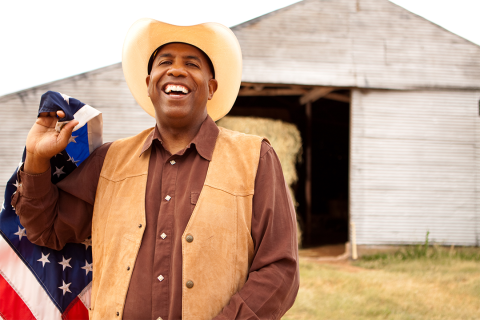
(188, 220)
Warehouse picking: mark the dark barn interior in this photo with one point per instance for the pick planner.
(325, 220)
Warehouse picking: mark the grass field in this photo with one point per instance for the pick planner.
(413, 283)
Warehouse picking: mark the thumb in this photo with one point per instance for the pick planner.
(66, 132)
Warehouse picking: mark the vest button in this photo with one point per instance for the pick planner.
(189, 238)
(128, 268)
(140, 225)
(118, 313)
(189, 284)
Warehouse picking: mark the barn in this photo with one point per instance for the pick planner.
(387, 104)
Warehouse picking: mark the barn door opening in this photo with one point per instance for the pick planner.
(322, 115)
(327, 134)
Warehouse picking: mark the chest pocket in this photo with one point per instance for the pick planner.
(193, 200)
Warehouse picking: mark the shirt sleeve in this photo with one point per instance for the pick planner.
(273, 278)
(54, 215)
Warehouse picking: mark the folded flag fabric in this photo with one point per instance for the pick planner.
(37, 282)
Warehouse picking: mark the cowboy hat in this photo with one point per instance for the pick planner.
(215, 40)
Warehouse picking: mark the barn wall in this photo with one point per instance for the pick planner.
(355, 43)
(104, 89)
(414, 166)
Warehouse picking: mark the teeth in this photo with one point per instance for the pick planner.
(172, 87)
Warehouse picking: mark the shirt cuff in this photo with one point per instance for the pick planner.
(34, 186)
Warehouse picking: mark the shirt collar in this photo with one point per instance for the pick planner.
(204, 140)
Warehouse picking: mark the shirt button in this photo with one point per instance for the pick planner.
(168, 198)
(189, 284)
(163, 235)
(172, 162)
(189, 238)
(160, 278)
(159, 318)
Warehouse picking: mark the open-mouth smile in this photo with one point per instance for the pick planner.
(175, 90)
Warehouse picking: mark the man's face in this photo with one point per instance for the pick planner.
(180, 84)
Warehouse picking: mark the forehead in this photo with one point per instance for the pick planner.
(182, 49)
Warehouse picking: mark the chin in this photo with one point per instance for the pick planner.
(174, 116)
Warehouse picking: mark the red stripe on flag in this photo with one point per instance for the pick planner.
(11, 305)
(76, 311)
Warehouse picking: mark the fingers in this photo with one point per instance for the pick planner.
(66, 131)
(53, 114)
(59, 113)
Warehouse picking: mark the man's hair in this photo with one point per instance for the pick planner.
(154, 55)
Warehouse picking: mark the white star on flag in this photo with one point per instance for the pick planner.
(70, 158)
(65, 287)
(72, 139)
(20, 233)
(44, 259)
(88, 267)
(65, 97)
(65, 263)
(16, 184)
(58, 171)
(87, 243)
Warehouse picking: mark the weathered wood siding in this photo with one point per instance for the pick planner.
(414, 154)
(104, 89)
(355, 43)
(415, 166)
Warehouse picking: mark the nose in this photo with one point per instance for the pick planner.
(177, 70)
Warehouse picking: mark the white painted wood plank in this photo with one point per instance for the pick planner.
(409, 177)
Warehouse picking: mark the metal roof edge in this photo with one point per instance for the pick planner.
(264, 16)
(433, 23)
(11, 95)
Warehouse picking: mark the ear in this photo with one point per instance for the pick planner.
(212, 87)
(147, 80)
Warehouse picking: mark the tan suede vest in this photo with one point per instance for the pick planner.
(216, 261)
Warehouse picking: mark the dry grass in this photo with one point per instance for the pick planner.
(437, 287)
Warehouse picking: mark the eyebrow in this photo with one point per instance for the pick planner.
(169, 55)
(193, 58)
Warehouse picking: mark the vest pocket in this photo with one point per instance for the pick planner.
(124, 262)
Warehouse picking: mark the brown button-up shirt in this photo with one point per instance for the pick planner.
(56, 214)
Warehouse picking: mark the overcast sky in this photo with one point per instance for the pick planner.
(43, 41)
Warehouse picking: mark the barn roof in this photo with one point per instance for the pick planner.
(343, 43)
(355, 43)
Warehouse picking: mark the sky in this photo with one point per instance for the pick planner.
(43, 41)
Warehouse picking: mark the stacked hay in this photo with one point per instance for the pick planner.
(284, 137)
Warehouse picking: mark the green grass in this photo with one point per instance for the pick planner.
(416, 282)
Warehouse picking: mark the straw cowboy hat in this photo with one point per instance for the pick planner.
(215, 40)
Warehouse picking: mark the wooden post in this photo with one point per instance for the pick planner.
(308, 173)
(353, 234)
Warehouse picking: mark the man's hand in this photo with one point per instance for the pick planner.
(43, 141)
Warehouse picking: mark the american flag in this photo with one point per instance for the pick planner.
(38, 282)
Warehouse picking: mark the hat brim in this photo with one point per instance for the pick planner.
(217, 41)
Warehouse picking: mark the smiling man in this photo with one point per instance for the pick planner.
(188, 220)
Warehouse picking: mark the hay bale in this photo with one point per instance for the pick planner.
(284, 137)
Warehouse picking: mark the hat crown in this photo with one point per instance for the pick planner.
(217, 41)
